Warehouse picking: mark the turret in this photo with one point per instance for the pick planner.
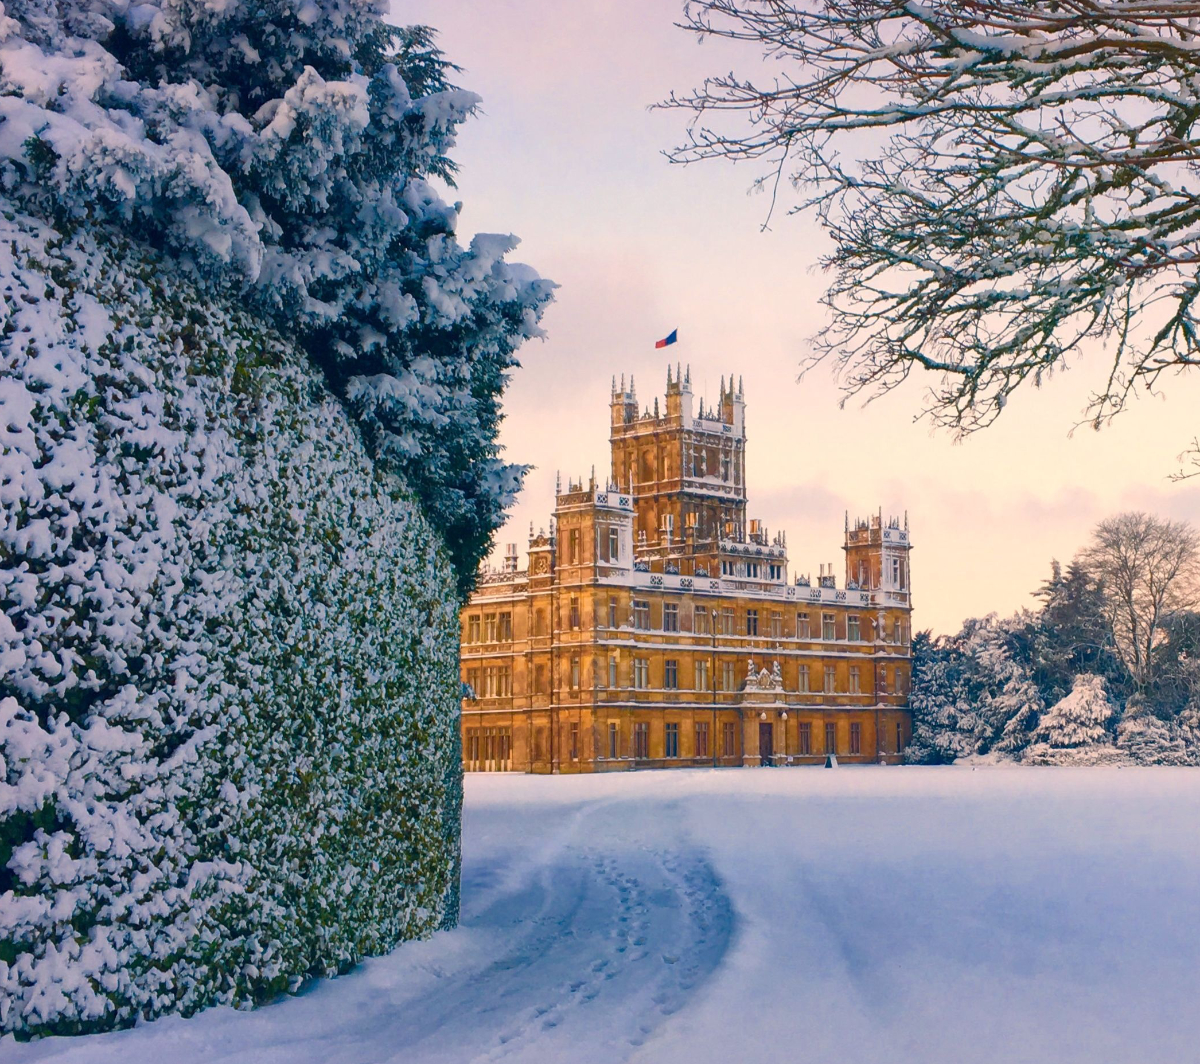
(624, 402)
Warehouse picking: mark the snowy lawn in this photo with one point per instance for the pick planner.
(864, 914)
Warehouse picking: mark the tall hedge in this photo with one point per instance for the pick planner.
(228, 679)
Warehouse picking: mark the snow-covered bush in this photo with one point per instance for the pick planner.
(970, 695)
(228, 642)
(283, 149)
(1078, 727)
(1148, 740)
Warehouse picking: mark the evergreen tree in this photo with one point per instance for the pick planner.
(284, 151)
(1072, 634)
(1080, 719)
(1147, 739)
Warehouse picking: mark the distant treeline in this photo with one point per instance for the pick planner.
(1106, 670)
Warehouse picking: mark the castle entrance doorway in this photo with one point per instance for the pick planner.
(766, 742)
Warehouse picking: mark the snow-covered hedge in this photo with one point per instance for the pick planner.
(228, 684)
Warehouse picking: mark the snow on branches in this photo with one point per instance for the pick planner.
(284, 149)
(1027, 180)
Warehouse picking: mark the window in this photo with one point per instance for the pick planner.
(899, 738)
(641, 673)
(828, 626)
(831, 738)
(505, 626)
(614, 741)
(641, 613)
(805, 737)
(855, 680)
(830, 679)
(489, 627)
(539, 679)
(752, 570)
(901, 681)
(641, 739)
(776, 624)
(573, 739)
(614, 545)
(573, 546)
(728, 678)
(802, 679)
(702, 740)
(612, 613)
(896, 630)
(574, 612)
(612, 672)
(727, 626)
(473, 682)
(574, 674)
(671, 674)
(473, 628)
(670, 617)
(473, 745)
(802, 628)
(728, 739)
(896, 573)
(855, 737)
(671, 741)
(752, 622)
(776, 572)
(700, 621)
(853, 628)
(701, 674)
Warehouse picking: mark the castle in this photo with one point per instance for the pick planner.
(656, 626)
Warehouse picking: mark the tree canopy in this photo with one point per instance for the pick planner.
(1002, 181)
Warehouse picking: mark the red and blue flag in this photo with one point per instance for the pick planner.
(669, 339)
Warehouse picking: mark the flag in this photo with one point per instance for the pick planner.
(674, 335)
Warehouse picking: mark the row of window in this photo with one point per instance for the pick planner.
(497, 627)
(495, 681)
(729, 744)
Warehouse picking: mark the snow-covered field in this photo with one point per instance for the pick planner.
(863, 914)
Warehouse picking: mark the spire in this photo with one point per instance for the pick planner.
(678, 374)
(668, 376)
(740, 392)
(622, 382)
(614, 386)
(632, 387)
(558, 482)
(687, 377)
(656, 406)
(593, 482)
(722, 385)
(847, 522)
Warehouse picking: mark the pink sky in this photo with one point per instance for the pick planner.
(567, 156)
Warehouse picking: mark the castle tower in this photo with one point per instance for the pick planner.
(686, 472)
(877, 556)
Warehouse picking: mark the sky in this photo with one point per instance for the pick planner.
(566, 154)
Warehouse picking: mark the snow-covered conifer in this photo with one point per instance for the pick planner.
(1081, 718)
(1147, 739)
(285, 151)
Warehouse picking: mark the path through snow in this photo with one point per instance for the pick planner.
(862, 915)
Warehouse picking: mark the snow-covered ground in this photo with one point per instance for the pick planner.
(863, 914)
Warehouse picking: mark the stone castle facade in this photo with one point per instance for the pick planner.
(655, 625)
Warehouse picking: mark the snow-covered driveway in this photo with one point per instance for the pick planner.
(863, 914)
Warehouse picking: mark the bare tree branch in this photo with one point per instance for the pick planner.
(1031, 181)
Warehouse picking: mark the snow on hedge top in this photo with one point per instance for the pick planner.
(285, 147)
